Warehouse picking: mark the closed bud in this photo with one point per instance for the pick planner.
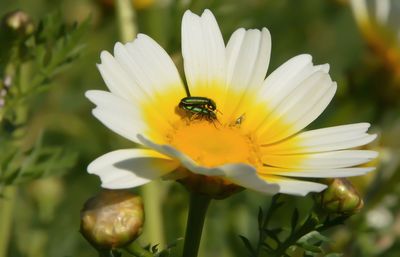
(112, 219)
(19, 22)
(340, 198)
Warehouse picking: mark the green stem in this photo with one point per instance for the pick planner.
(135, 249)
(126, 20)
(105, 253)
(197, 213)
(6, 218)
(108, 253)
(154, 231)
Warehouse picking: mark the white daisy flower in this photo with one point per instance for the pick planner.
(244, 129)
(378, 16)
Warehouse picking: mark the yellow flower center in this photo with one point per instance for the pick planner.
(213, 144)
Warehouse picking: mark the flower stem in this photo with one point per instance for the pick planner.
(126, 20)
(6, 217)
(153, 208)
(135, 249)
(197, 213)
(108, 253)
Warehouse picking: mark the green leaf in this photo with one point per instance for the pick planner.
(295, 219)
(310, 254)
(273, 234)
(56, 45)
(154, 248)
(267, 246)
(260, 218)
(314, 235)
(163, 253)
(174, 243)
(311, 242)
(248, 245)
(167, 251)
(310, 247)
(276, 203)
(39, 161)
(334, 255)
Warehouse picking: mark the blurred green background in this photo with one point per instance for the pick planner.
(364, 61)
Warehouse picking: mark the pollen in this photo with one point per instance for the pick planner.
(212, 144)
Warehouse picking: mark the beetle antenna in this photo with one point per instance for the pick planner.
(187, 90)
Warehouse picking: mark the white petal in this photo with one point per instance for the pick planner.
(323, 140)
(287, 77)
(382, 11)
(118, 81)
(327, 160)
(117, 114)
(121, 116)
(313, 111)
(203, 51)
(248, 54)
(304, 104)
(143, 74)
(149, 66)
(298, 187)
(131, 167)
(139, 69)
(317, 173)
(293, 95)
(247, 57)
(240, 174)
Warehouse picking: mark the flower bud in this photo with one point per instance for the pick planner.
(214, 187)
(112, 219)
(19, 22)
(340, 198)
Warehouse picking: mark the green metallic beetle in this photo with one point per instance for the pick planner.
(199, 106)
